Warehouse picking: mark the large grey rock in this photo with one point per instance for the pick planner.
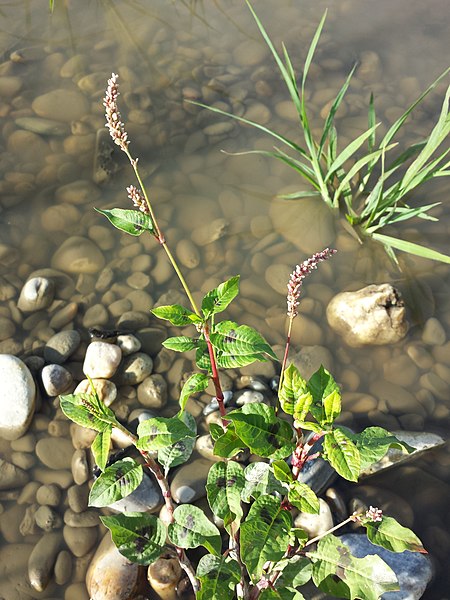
(413, 570)
(36, 294)
(17, 397)
(61, 346)
(373, 315)
(78, 255)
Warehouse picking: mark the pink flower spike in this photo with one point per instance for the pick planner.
(137, 197)
(112, 114)
(298, 275)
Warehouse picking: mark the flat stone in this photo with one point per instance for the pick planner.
(373, 315)
(56, 379)
(17, 397)
(433, 333)
(78, 255)
(42, 126)
(61, 346)
(42, 560)
(11, 476)
(77, 192)
(189, 481)
(412, 569)
(55, 453)
(61, 105)
(152, 392)
(134, 369)
(101, 360)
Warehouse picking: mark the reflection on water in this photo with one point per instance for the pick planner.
(218, 211)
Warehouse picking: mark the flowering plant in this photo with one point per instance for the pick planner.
(260, 553)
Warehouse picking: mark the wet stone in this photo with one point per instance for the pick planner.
(145, 498)
(62, 105)
(106, 390)
(11, 476)
(248, 397)
(17, 397)
(49, 495)
(80, 540)
(55, 453)
(42, 560)
(101, 360)
(152, 392)
(61, 346)
(47, 519)
(134, 369)
(433, 333)
(42, 126)
(56, 379)
(63, 567)
(78, 255)
(7, 328)
(36, 294)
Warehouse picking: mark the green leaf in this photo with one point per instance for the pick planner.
(321, 385)
(262, 431)
(133, 222)
(331, 407)
(223, 488)
(140, 537)
(260, 480)
(192, 528)
(294, 396)
(116, 482)
(176, 314)
(180, 343)
(236, 340)
(215, 431)
(220, 297)
(264, 534)
(195, 383)
(282, 471)
(228, 444)
(342, 454)
(411, 248)
(302, 497)
(160, 432)
(348, 152)
(295, 571)
(389, 534)
(285, 593)
(369, 577)
(180, 452)
(218, 578)
(373, 443)
(87, 410)
(100, 447)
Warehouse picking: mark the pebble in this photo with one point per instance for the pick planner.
(42, 126)
(80, 467)
(152, 392)
(433, 333)
(78, 255)
(400, 370)
(128, 343)
(87, 518)
(80, 540)
(11, 476)
(55, 379)
(55, 453)
(62, 105)
(10, 86)
(95, 316)
(134, 369)
(163, 576)
(189, 481)
(23, 460)
(420, 356)
(42, 560)
(412, 569)
(7, 328)
(47, 519)
(17, 397)
(188, 254)
(49, 495)
(315, 524)
(101, 360)
(26, 443)
(81, 191)
(36, 294)
(61, 346)
(28, 493)
(77, 497)
(248, 397)
(145, 498)
(110, 575)
(106, 390)
(63, 567)
(133, 320)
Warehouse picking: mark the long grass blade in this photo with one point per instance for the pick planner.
(428, 172)
(334, 107)
(312, 49)
(348, 152)
(411, 248)
(371, 118)
(403, 214)
(392, 131)
(298, 195)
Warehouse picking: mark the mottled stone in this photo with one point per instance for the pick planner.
(101, 360)
(134, 369)
(106, 390)
(56, 379)
(36, 294)
(17, 397)
(152, 392)
(61, 346)
(371, 316)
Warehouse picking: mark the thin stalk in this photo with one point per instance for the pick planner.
(286, 351)
(350, 519)
(215, 375)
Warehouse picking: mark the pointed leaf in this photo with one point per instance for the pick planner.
(411, 248)
(332, 407)
(321, 385)
(260, 480)
(293, 394)
(302, 497)
(139, 537)
(133, 222)
(116, 482)
(389, 534)
(218, 578)
(100, 447)
(160, 432)
(176, 314)
(374, 442)
(342, 454)
(180, 452)
(264, 534)
(223, 488)
(180, 343)
(198, 382)
(284, 593)
(220, 297)
(295, 571)
(228, 444)
(282, 471)
(87, 410)
(262, 431)
(192, 528)
(369, 577)
(239, 340)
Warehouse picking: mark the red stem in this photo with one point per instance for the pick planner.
(215, 376)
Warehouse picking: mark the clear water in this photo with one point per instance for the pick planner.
(211, 50)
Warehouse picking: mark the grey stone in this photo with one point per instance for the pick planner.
(56, 379)
(61, 346)
(134, 369)
(11, 476)
(42, 126)
(47, 519)
(17, 397)
(80, 540)
(433, 333)
(42, 560)
(309, 358)
(373, 315)
(145, 498)
(152, 392)
(55, 453)
(62, 105)
(78, 255)
(101, 360)
(189, 481)
(413, 570)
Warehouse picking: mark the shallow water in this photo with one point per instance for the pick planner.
(165, 52)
